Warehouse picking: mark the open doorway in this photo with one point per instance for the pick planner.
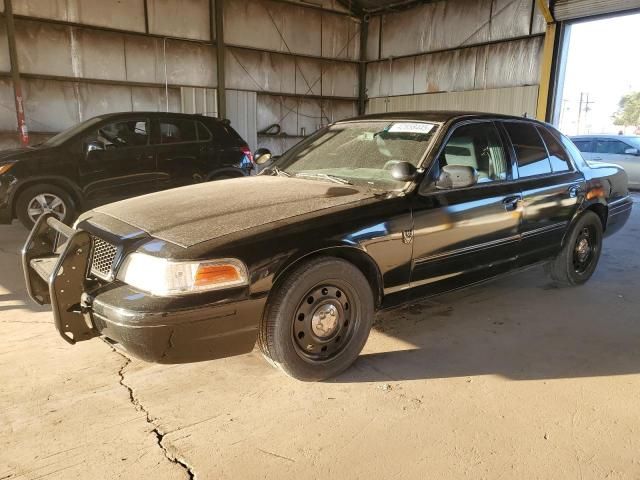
(598, 88)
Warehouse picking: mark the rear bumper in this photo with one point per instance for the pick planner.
(155, 329)
(619, 213)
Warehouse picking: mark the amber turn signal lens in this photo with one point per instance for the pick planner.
(214, 274)
(5, 168)
(595, 193)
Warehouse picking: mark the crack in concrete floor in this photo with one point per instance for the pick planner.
(159, 434)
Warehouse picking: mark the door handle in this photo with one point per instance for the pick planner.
(574, 190)
(511, 203)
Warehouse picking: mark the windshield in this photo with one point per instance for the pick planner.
(62, 137)
(361, 153)
(635, 142)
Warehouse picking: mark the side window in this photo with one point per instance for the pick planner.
(204, 133)
(479, 146)
(557, 155)
(583, 145)
(122, 134)
(177, 131)
(613, 147)
(530, 151)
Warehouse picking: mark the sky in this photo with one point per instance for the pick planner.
(603, 62)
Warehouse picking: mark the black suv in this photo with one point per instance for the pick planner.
(116, 156)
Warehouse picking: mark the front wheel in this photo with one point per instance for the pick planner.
(580, 254)
(37, 200)
(318, 319)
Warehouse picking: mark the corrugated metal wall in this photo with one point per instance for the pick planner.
(572, 9)
(475, 54)
(80, 58)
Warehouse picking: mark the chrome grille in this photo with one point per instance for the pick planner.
(104, 255)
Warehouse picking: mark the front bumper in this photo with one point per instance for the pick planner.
(155, 329)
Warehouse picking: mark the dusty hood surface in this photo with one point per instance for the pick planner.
(190, 215)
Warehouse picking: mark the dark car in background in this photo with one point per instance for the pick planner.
(363, 215)
(116, 156)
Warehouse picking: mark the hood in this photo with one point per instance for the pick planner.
(190, 215)
(17, 153)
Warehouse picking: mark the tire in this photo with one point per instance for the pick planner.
(579, 257)
(317, 320)
(55, 198)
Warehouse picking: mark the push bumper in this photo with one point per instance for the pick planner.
(155, 329)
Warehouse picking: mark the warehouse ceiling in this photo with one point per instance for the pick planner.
(377, 6)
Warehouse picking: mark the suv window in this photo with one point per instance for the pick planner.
(477, 145)
(530, 151)
(614, 147)
(204, 133)
(583, 145)
(177, 131)
(122, 134)
(558, 157)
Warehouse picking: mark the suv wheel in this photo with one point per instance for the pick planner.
(35, 201)
(318, 319)
(580, 254)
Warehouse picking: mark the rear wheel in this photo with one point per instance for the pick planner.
(37, 200)
(579, 257)
(318, 319)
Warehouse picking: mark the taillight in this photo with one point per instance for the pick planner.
(248, 154)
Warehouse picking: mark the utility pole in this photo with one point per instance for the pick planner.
(580, 111)
(15, 74)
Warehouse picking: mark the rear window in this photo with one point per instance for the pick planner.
(530, 151)
(557, 156)
(177, 131)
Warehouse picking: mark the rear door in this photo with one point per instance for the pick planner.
(465, 235)
(551, 186)
(180, 152)
(120, 162)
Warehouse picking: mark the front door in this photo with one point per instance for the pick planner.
(551, 187)
(620, 153)
(462, 236)
(117, 162)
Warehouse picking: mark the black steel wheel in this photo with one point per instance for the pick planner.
(318, 319)
(580, 253)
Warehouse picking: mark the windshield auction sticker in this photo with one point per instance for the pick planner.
(411, 128)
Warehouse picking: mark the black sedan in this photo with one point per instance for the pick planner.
(366, 214)
(117, 156)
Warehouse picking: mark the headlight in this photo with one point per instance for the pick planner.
(163, 277)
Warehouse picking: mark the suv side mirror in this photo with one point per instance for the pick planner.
(94, 149)
(456, 176)
(632, 151)
(403, 171)
(262, 156)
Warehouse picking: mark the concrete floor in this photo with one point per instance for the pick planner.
(514, 379)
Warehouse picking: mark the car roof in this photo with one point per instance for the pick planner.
(613, 137)
(108, 116)
(437, 116)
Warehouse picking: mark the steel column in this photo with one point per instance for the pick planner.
(220, 53)
(546, 63)
(362, 76)
(15, 74)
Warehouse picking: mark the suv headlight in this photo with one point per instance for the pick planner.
(163, 277)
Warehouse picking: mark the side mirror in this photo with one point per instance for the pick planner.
(403, 171)
(94, 149)
(632, 151)
(262, 156)
(456, 176)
